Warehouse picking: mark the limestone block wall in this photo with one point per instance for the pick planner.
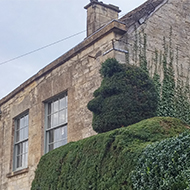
(175, 14)
(79, 76)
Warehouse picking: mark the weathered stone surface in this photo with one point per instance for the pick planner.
(79, 76)
(99, 14)
(77, 72)
(173, 14)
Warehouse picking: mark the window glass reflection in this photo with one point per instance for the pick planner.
(56, 106)
(57, 137)
(62, 117)
(62, 103)
(56, 123)
(21, 142)
(55, 119)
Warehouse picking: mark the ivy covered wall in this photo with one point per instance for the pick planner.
(170, 75)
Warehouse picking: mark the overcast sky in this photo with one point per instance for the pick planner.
(26, 25)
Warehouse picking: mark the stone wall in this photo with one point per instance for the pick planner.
(77, 72)
(99, 14)
(172, 13)
(79, 76)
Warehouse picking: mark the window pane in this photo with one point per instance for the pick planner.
(52, 110)
(25, 147)
(25, 133)
(26, 163)
(64, 142)
(22, 154)
(60, 143)
(56, 145)
(51, 147)
(66, 100)
(66, 115)
(23, 160)
(19, 155)
(17, 136)
(18, 164)
(64, 132)
(18, 124)
(62, 117)
(22, 122)
(49, 109)
(21, 134)
(51, 121)
(26, 121)
(55, 106)
(20, 148)
(51, 136)
(62, 103)
(55, 119)
(49, 124)
(56, 135)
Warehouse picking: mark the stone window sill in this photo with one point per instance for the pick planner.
(15, 173)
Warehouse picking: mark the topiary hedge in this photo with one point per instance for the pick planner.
(164, 165)
(103, 161)
(126, 96)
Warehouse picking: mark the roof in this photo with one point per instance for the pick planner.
(120, 26)
(142, 11)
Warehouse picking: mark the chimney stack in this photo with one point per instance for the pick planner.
(99, 14)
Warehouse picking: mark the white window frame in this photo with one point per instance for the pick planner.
(56, 133)
(20, 155)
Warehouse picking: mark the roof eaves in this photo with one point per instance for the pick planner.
(114, 25)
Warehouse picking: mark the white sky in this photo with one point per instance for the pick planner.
(26, 25)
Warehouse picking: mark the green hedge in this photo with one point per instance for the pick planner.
(103, 161)
(126, 96)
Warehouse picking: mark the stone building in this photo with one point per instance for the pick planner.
(49, 109)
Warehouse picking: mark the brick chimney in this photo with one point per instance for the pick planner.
(99, 14)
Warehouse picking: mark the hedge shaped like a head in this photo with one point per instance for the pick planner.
(126, 96)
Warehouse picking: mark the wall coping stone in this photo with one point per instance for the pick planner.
(110, 6)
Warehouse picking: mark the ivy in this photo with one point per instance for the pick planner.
(164, 165)
(172, 86)
(168, 85)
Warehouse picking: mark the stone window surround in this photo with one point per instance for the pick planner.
(22, 115)
(13, 172)
(19, 172)
(63, 125)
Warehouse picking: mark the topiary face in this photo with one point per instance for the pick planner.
(127, 95)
